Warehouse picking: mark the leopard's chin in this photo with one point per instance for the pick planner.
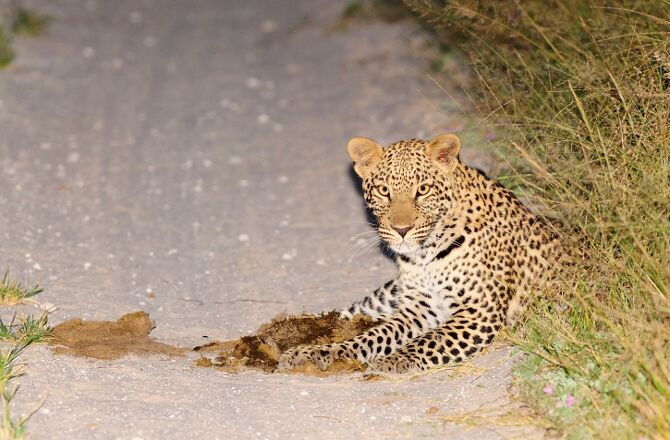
(404, 247)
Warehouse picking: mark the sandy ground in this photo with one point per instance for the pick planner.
(188, 159)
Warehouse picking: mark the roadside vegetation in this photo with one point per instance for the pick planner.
(15, 336)
(16, 20)
(580, 94)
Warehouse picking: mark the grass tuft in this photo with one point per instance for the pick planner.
(6, 52)
(24, 22)
(13, 291)
(20, 332)
(29, 23)
(580, 95)
(10, 427)
(25, 329)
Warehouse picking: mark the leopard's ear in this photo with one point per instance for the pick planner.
(444, 149)
(365, 153)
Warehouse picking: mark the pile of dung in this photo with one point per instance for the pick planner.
(110, 339)
(261, 350)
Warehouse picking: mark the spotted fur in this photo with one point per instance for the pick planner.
(468, 253)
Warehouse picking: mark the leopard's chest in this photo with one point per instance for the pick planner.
(427, 283)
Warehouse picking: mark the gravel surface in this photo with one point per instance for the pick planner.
(189, 159)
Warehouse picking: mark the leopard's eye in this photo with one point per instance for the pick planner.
(383, 190)
(423, 189)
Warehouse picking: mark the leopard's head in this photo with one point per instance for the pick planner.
(408, 186)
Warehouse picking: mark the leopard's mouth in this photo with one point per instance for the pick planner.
(405, 245)
(413, 241)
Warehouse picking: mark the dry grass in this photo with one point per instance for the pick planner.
(581, 97)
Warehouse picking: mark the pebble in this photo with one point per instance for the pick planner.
(253, 83)
(268, 26)
(135, 17)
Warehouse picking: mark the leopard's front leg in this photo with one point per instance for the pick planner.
(452, 342)
(381, 304)
(379, 341)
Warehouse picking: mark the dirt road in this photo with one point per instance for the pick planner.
(188, 159)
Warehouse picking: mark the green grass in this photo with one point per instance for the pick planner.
(24, 22)
(580, 96)
(13, 291)
(25, 329)
(29, 23)
(16, 335)
(11, 427)
(6, 52)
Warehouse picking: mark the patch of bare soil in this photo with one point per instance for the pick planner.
(110, 339)
(261, 350)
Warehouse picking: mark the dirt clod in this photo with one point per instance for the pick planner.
(110, 339)
(261, 350)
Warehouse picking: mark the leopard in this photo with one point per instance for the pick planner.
(468, 253)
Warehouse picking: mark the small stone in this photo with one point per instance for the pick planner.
(243, 237)
(268, 26)
(253, 83)
(135, 17)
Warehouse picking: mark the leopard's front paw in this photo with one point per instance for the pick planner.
(396, 363)
(294, 357)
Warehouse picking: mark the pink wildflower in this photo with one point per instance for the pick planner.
(569, 401)
(548, 389)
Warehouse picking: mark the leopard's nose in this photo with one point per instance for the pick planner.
(403, 230)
